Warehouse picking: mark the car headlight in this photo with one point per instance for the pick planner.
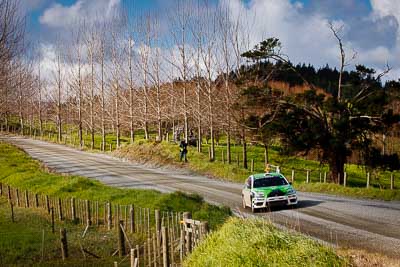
(291, 191)
(260, 194)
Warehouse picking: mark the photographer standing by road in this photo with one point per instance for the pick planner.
(183, 150)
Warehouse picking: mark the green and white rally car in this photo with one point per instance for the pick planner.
(267, 189)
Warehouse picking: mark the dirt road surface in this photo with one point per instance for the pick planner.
(361, 224)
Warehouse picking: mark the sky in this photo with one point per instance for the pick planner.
(370, 27)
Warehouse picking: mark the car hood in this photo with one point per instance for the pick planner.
(279, 190)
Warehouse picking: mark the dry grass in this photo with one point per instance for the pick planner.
(360, 258)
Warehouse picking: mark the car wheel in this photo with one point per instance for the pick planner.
(253, 209)
(243, 203)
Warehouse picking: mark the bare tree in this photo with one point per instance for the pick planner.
(144, 58)
(102, 58)
(208, 54)
(59, 85)
(115, 83)
(180, 32)
(343, 63)
(131, 89)
(12, 45)
(91, 50)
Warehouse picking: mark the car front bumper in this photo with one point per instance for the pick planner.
(260, 203)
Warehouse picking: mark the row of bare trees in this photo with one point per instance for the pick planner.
(150, 72)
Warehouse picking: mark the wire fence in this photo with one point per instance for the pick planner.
(93, 231)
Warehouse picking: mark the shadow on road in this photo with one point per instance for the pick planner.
(307, 203)
(301, 205)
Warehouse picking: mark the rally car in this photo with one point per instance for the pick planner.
(268, 189)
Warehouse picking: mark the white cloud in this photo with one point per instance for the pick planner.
(383, 8)
(386, 8)
(27, 6)
(306, 36)
(59, 16)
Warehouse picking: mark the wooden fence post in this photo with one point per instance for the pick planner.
(237, 159)
(325, 177)
(109, 216)
(203, 230)
(344, 179)
(12, 212)
(292, 175)
(9, 193)
(117, 217)
(73, 210)
(149, 254)
(64, 243)
(368, 179)
(308, 177)
(165, 247)
(121, 239)
(36, 200)
(88, 215)
(132, 218)
(391, 181)
(138, 255)
(60, 212)
(320, 177)
(17, 195)
(148, 222)
(182, 244)
(187, 215)
(209, 153)
(132, 254)
(52, 220)
(47, 204)
(26, 199)
(158, 227)
(223, 156)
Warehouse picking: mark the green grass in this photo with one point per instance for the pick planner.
(168, 154)
(19, 170)
(255, 242)
(334, 189)
(29, 240)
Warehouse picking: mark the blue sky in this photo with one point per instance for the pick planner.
(371, 27)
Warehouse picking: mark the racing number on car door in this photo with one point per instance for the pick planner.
(247, 191)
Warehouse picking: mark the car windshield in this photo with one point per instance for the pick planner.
(269, 181)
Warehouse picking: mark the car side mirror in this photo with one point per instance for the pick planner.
(290, 183)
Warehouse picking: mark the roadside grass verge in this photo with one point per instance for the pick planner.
(255, 242)
(335, 189)
(163, 153)
(19, 170)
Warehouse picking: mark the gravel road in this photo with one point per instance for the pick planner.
(361, 224)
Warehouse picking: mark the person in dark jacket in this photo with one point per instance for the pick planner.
(183, 150)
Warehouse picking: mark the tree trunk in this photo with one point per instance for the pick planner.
(266, 155)
(91, 104)
(117, 118)
(336, 166)
(131, 102)
(228, 147)
(103, 104)
(244, 144)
